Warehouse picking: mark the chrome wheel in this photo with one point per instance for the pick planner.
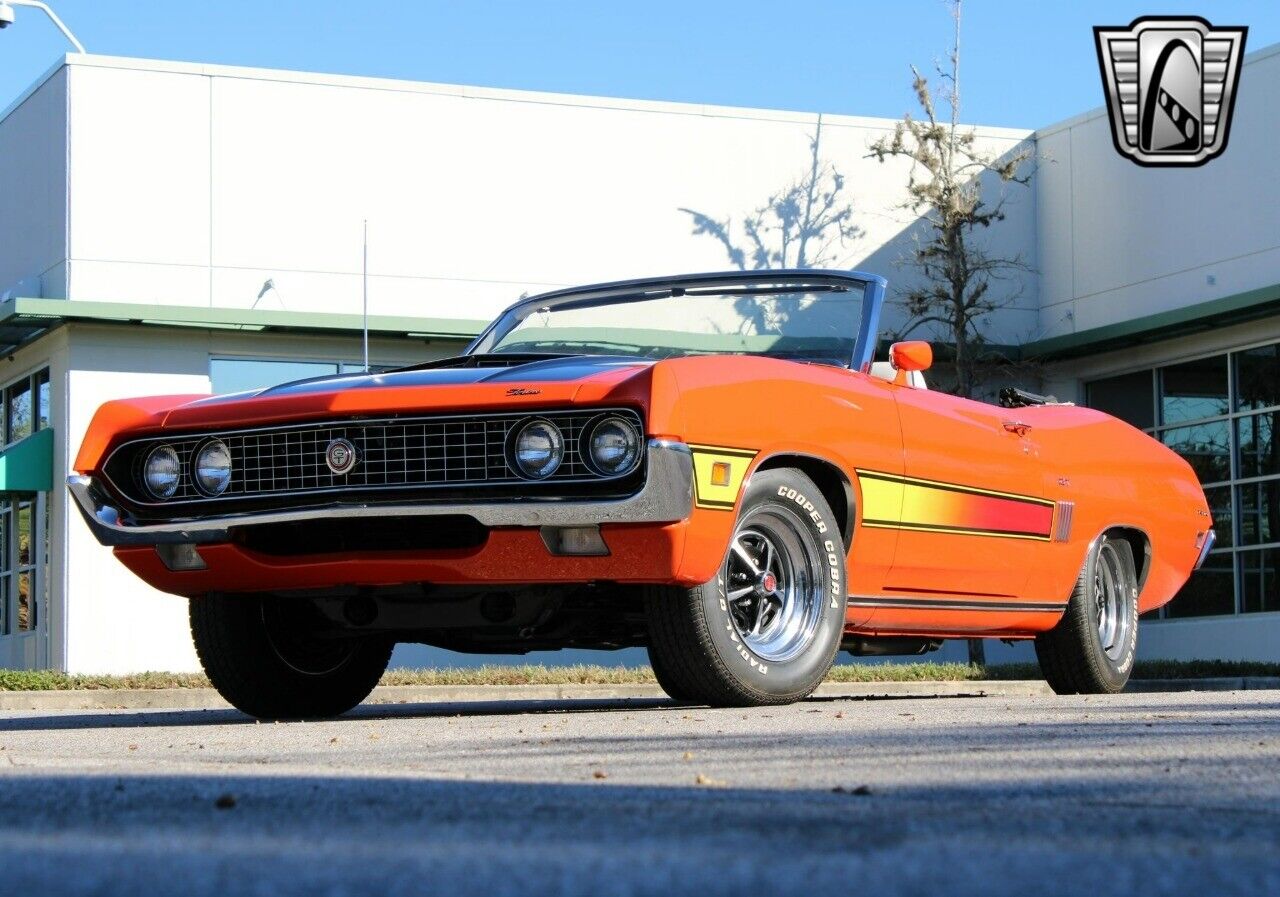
(1112, 608)
(773, 581)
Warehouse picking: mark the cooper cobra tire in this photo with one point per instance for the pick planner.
(1092, 649)
(766, 629)
(258, 656)
(666, 681)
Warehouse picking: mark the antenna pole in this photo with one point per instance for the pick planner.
(364, 289)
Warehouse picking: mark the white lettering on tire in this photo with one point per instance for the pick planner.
(790, 494)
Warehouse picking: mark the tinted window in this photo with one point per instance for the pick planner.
(19, 410)
(1259, 451)
(1194, 390)
(1258, 378)
(1260, 585)
(1207, 448)
(1128, 397)
(1211, 590)
(1219, 500)
(42, 399)
(1259, 513)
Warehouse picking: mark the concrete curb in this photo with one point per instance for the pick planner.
(208, 699)
(1228, 683)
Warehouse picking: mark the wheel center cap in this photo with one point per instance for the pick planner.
(768, 582)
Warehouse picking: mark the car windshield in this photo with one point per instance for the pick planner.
(802, 322)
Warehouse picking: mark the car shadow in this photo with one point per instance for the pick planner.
(34, 721)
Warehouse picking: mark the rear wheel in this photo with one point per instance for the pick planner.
(262, 655)
(767, 628)
(1092, 649)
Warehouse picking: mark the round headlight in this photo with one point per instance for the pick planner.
(213, 468)
(538, 449)
(613, 446)
(161, 472)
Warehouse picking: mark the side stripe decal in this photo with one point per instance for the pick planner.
(718, 473)
(890, 501)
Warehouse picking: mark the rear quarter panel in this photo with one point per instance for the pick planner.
(1117, 476)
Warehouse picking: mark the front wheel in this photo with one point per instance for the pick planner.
(262, 654)
(766, 629)
(1092, 649)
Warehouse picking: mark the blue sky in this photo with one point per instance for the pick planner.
(1025, 64)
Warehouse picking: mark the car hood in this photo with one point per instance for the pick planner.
(456, 384)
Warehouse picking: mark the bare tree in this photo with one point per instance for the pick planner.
(962, 281)
(945, 187)
(800, 226)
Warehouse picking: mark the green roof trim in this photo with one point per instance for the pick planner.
(1210, 315)
(23, 319)
(27, 465)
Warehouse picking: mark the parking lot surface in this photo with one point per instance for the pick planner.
(1134, 794)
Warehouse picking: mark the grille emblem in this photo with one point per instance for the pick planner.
(341, 456)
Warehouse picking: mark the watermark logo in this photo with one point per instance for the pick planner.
(1171, 86)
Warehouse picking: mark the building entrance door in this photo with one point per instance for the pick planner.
(24, 580)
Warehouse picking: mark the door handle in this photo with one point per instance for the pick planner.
(1016, 426)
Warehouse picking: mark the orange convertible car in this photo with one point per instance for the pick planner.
(711, 466)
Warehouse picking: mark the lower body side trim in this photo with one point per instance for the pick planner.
(955, 604)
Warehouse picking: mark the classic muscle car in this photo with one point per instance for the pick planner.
(711, 466)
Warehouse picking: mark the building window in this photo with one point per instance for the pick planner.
(228, 375)
(24, 523)
(26, 406)
(1221, 414)
(1129, 397)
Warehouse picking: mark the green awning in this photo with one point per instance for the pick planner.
(27, 465)
(23, 320)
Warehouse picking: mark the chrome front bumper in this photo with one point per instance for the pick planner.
(667, 496)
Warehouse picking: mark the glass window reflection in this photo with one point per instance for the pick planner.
(1210, 591)
(1259, 582)
(1259, 451)
(1206, 447)
(1259, 512)
(1194, 390)
(1130, 397)
(1258, 378)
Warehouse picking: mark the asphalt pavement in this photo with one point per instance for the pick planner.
(1136, 794)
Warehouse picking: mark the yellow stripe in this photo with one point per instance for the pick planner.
(893, 477)
(720, 450)
(706, 493)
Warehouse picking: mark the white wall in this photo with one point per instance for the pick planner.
(1117, 241)
(33, 151)
(194, 184)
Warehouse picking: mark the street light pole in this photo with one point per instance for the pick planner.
(6, 17)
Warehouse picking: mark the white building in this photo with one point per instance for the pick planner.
(173, 228)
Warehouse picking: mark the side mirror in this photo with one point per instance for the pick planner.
(913, 355)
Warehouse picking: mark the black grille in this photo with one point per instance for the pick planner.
(396, 453)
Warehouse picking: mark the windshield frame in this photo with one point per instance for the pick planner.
(623, 291)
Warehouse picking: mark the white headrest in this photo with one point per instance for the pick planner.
(885, 371)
